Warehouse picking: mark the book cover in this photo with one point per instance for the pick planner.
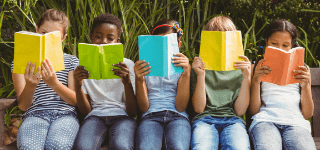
(99, 59)
(35, 47)
(158, 51)
(220, 49)
(282, 64)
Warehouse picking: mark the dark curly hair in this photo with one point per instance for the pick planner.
(107, 18)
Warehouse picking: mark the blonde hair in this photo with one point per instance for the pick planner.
(220, 23)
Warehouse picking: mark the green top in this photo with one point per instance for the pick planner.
(222, 89)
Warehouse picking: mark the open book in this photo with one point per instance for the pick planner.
(35, 47)
(220, 49)
(282, 64)
(158, 51)
(99, 59)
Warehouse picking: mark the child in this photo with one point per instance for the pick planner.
(280, 113)
(163, 100)
(50, 120)
(108, 105)
(220, 98)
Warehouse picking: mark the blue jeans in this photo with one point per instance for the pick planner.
(219, 133)
(163, 130)
(49, 129)
(94, 130)
(267, 135)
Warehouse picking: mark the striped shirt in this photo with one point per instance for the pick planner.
(45, 98)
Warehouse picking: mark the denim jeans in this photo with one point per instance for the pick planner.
(210, 133)
(163, 130)
(94, 130)
(268, 135)
(48, 129)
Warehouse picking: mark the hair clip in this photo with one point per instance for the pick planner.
(261, 47)
(296, 42)
(175, 26)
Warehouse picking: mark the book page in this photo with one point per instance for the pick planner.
(89, 58)
(172, 48)
(53, 50)
(26, 48)
(211, 49)
(296, 60)
(234, 49)
(109, 55)
(151, 49)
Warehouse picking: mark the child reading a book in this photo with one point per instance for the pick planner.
(50, 120)
(280, 113)
(109, 104)
(163, 100)
(219, 99)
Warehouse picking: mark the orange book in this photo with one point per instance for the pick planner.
(282, 64)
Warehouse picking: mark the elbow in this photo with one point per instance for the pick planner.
(308, 116)
(240, 113)
(21, 107)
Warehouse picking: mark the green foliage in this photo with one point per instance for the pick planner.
(12, 113)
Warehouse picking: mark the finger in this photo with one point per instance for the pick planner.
(32, 69)
(144, 70)
(265, 67)
(143, 65)
(145, 73)
(45, 66)
(123, 64)
(179, 54)
(139, 62)
(261, 61)
(39, 78)
(301, 72)
(242, 62)
(304, 68)
(125, 68)
(38, 72)
(27, 68)
(119, 71)
(50, 65)
(181, 65)
(301, 77)
(179, 61)
(178, 58)
(245, 58)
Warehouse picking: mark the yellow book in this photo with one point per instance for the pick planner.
(35, 47)
(220, 49)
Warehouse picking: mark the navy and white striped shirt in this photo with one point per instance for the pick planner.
(45, 98)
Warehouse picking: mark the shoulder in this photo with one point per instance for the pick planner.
(128, 62)
(70, 57)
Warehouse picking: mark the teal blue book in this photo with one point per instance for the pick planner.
(158, 51)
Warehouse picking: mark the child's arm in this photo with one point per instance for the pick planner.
(242, 102)
(307, 106)
(141, 87)
(131, 102)
(49, 77)
(199, 95)
(183, 89)
(82, 99)
(25, 86)
(255, 102)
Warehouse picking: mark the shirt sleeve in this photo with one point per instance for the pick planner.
(12, 66)
(74, 63)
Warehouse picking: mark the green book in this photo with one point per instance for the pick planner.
(99, 59)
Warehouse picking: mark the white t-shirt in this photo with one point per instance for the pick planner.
(282, 106)
(107, 96)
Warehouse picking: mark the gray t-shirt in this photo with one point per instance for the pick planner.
(107, 96)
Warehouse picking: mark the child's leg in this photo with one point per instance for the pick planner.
(62, 132)
(266, 135)
(204, 135)
(296, 138)
(235, 137)
(177, 134)
(32, 133)
(92, 133)
(121, 133)
(149, 133)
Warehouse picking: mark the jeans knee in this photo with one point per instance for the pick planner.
(54, 144)
(121, 146)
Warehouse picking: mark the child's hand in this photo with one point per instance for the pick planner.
(49, 76)
(181, 61)
(140, 71)
(261, 70)
(80, 73)
(32, 79)
(198, 66)
(303, 76)
(123, 73)
(245, 66)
